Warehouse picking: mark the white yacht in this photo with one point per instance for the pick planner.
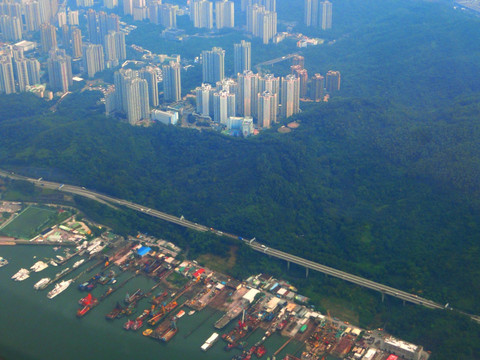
(42, 284)
(21, 275)
(78, 263)
(39, 266)
(60, 287)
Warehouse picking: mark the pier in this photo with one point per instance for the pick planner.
(14, 241)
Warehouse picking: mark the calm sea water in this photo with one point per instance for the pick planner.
(34, 327)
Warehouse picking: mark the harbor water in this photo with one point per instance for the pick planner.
(34, 327)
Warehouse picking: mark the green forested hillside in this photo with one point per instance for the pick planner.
(382, 181)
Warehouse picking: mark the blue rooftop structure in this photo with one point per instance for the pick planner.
(144, 250)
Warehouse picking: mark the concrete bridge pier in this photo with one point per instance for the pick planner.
(383, 297)
(306, 272)
(288, 265)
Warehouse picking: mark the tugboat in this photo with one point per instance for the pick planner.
(115, 312)
(137, 324)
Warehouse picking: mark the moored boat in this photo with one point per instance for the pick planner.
(39, 266)
(21, 275)
(137, 324)
(42, 284)
(78, 263)
(147, 332)
(128, 324)
(59, 288)
(210, 341)
(115, 312)
(3, 261)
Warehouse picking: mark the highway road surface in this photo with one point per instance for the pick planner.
(254, 245)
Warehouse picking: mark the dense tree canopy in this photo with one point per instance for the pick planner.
(382, 182)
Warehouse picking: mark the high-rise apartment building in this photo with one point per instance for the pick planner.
(92, 25)
(270, 5)
(267, 109)
(72, 17)
(102, 29)
(204, 98)
(7, 82)
(213, 65)
(31, 11)
(302, 74)
(224, 14)
(11, 27)
(77, 43)
(136, 91)
(326, 7)
(150, 76)
(94, 60)
(248, 83)
(66, 37)
(228, 84)
(290, 98)
(127, 7)
(261, 22)
(61, 18)
(59, 70)
(33, 68)
(172, 83)
(270, 83)
(318, 14)
(110, 4)
(113, 22)
(167, 15)
(48, 36)
(242, 54)
(202, 14)
(131, 96)
(139, 10)
(317, 84)
(298, 60)
(223, 106)
(115, 48)
(332, 81)
(22, 74)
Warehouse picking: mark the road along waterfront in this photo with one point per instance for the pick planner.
(384, 289)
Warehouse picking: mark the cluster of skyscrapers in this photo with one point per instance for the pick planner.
(262, 20)
(107, 43)
(201, 13)
(318, 14)
(252, 96)
(17, 72)
(316, 87)
(162, 14)
(136, 92)
(263, 97)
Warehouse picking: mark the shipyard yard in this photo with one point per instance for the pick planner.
(139, 297)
